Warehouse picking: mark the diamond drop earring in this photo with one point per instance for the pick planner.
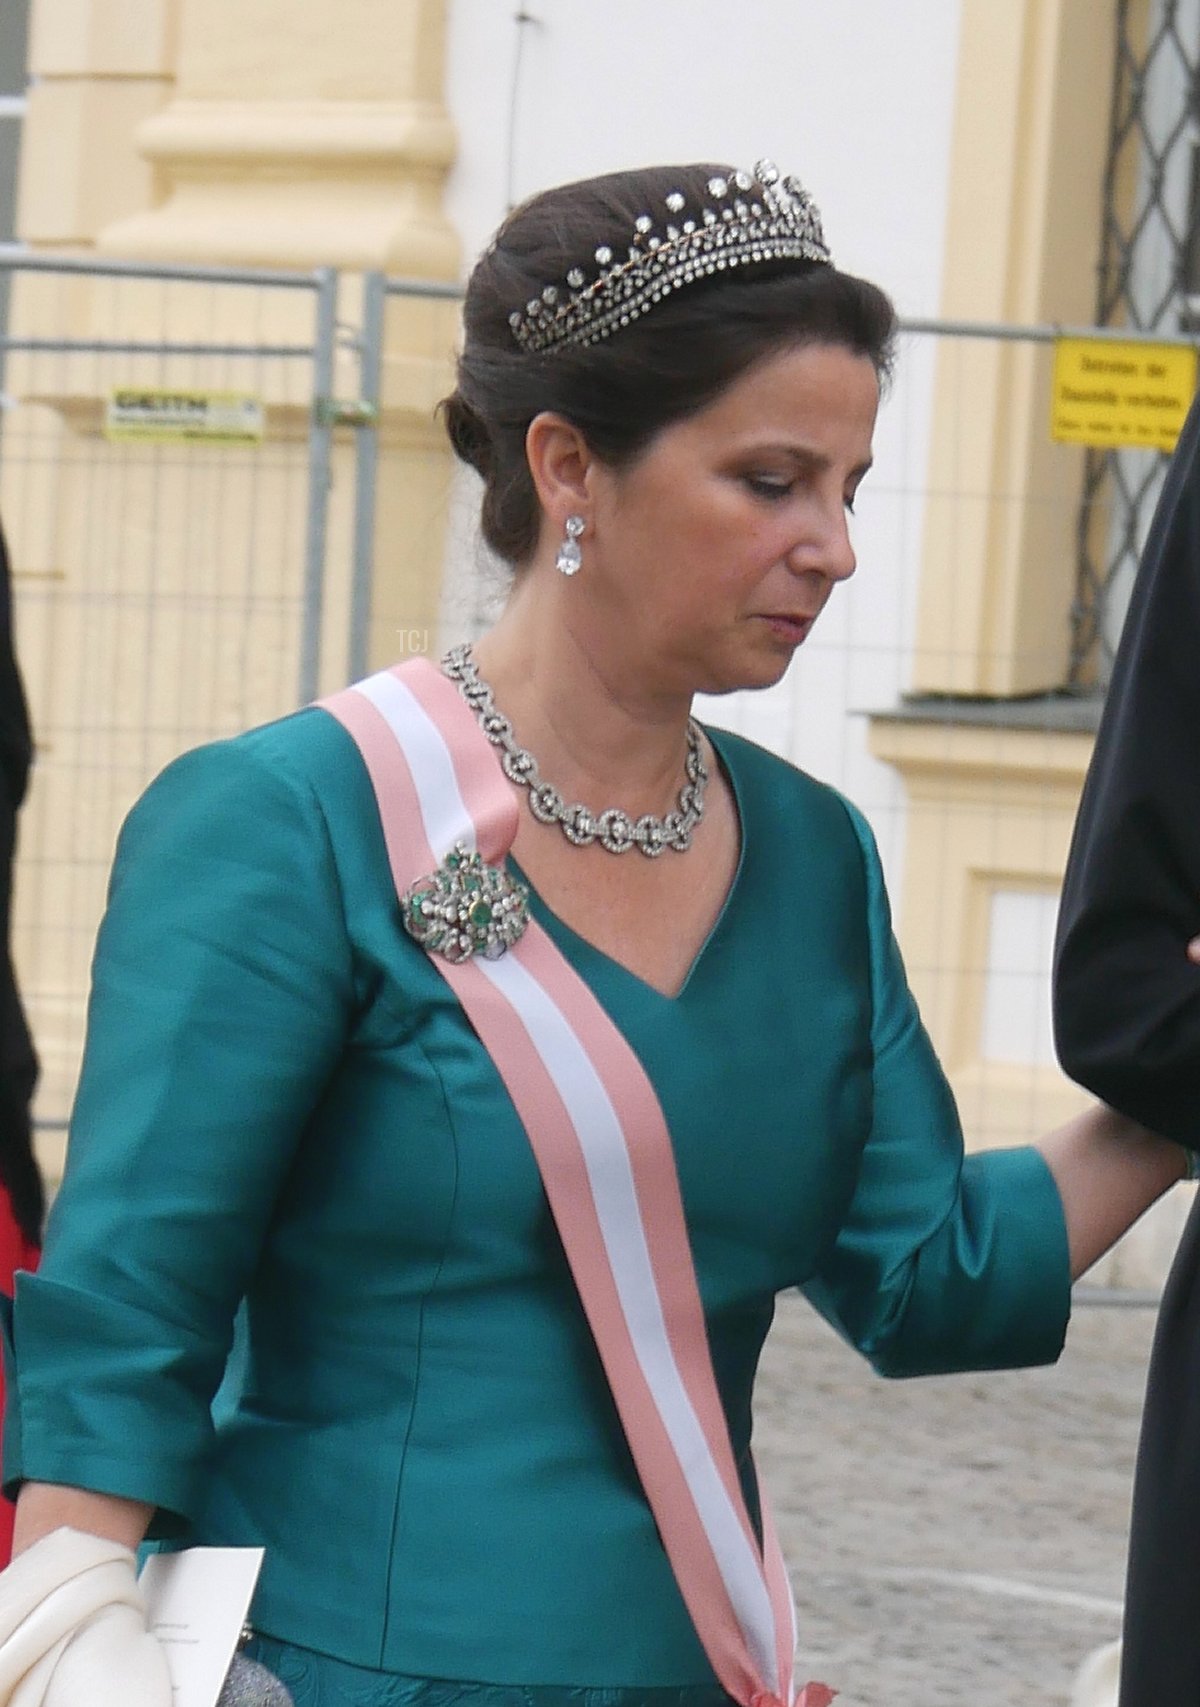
(570, 558)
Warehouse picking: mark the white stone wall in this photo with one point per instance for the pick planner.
(855, 97)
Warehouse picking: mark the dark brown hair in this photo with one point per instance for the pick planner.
(623, 391)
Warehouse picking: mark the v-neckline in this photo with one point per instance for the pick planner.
(558, 926)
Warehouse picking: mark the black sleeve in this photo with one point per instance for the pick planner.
(18, 1060)
(16, 741)
(1126, 997)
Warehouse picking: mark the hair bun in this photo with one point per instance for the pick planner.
(469, 435)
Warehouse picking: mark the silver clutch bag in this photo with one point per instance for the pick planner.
(247, 1684)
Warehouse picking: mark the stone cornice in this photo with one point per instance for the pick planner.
(307, 134)
(933, 755)
(297, 183)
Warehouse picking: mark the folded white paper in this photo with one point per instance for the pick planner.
(196, 1604)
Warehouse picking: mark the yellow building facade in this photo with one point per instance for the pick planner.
(992, 795)
(230, 133)
(993, 767)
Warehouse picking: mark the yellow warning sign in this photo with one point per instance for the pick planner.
(1114, 394)
(225, 417)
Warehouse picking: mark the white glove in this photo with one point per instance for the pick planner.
(73, 1628)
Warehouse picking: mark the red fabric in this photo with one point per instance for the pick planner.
(15, 1252)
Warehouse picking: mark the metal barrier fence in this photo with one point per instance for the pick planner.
(377, 292)
(200, 359)
(155, 608)
(170, 593)
(1119, 490)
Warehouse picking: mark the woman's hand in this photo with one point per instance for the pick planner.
(43, 1507)
(1193, 950)
(1108, 1170)
(72, 1619)
(73, 1628)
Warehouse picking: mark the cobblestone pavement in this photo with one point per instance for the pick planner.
(959, 1541)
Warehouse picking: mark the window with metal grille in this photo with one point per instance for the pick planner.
(14, 59)
(1149, 280)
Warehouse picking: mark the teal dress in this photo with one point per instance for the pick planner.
(295, 1176)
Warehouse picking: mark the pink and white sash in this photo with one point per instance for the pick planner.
(604, 1152)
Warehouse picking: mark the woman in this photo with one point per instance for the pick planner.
(669, 391)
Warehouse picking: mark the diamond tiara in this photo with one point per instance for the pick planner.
(759, 217)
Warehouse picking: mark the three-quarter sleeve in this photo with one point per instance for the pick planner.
(1126, 997)
(944, 1261)
(222, 990)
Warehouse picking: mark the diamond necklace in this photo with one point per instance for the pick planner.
(613, 829)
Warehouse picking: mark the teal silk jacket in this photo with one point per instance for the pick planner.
(295, 1176)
